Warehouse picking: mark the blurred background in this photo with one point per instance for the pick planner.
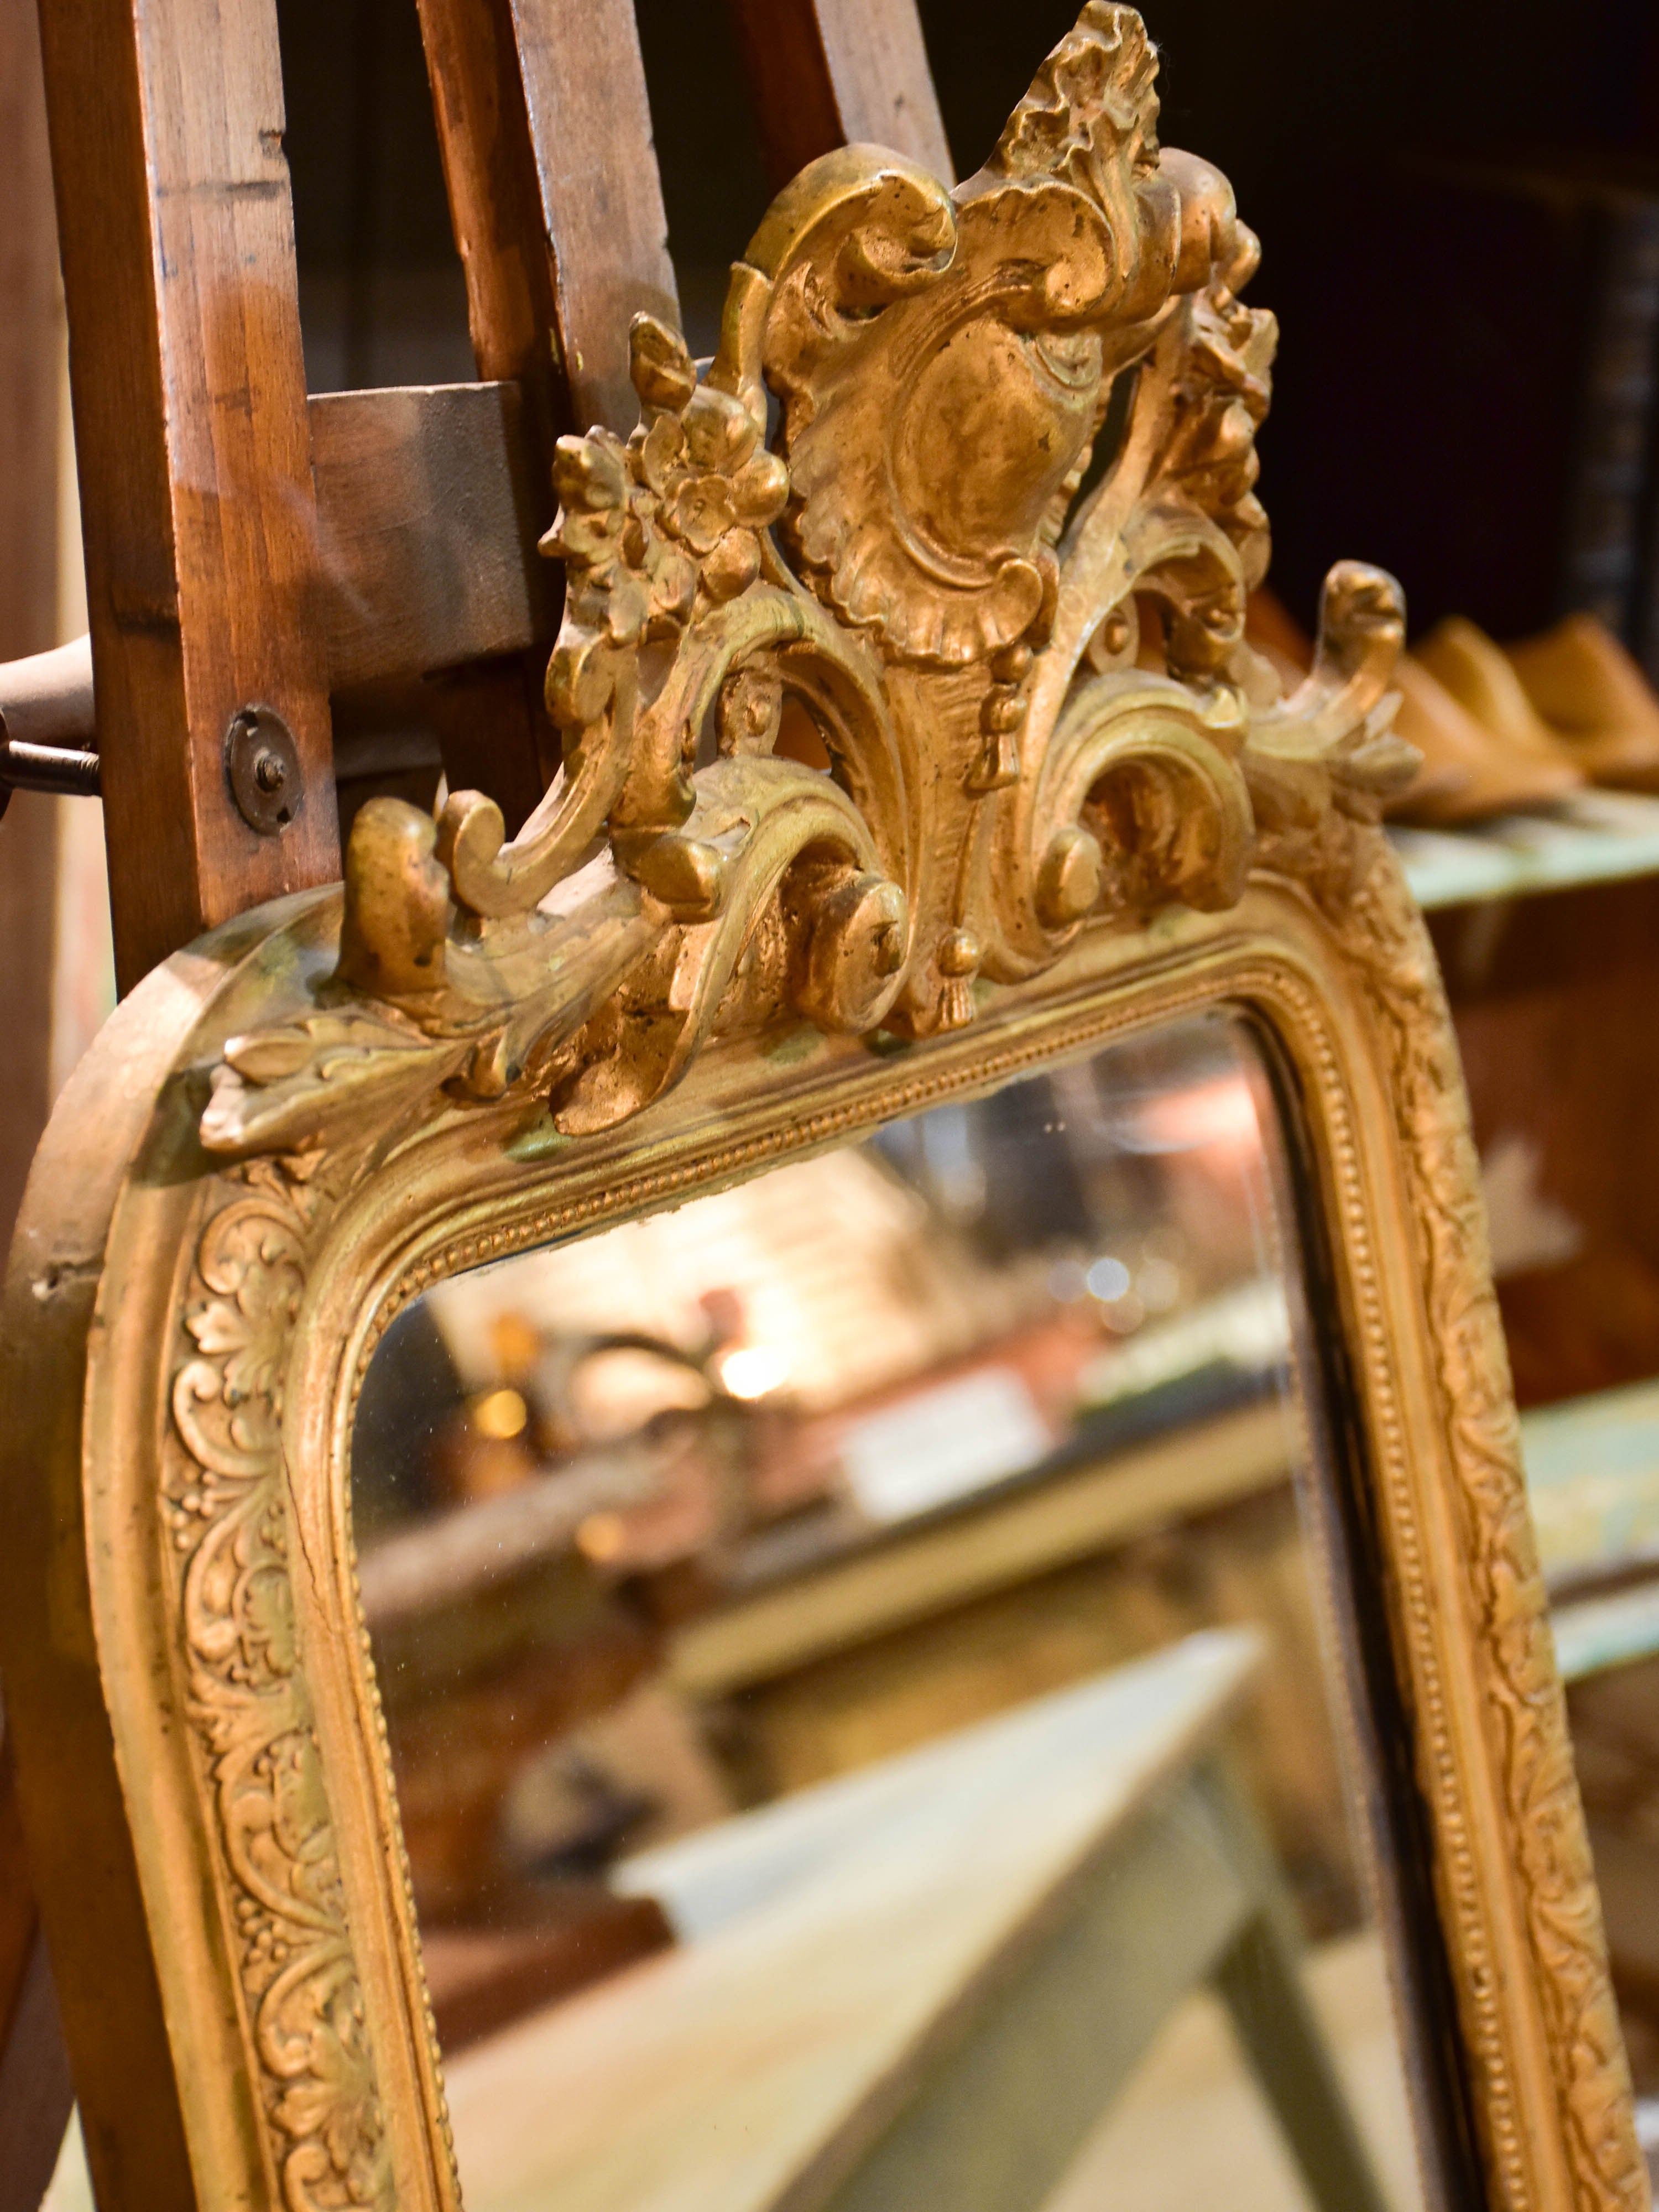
(1450, 199)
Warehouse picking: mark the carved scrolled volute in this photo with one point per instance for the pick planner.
(1150, 775)
(1331, 746)
(862, 723)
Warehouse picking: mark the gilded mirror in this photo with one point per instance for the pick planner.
(801, 1489)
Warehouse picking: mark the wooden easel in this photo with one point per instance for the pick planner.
(249, 547)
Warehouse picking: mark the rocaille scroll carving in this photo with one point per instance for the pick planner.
(856, 721)
(859, 722)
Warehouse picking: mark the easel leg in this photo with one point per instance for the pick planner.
(36, 2093)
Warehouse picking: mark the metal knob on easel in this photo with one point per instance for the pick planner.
(49, 740)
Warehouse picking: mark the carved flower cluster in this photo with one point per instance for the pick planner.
(645, 526)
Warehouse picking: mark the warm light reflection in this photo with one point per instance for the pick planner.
(753, 1369)
(500, 1414)
(1220, 1113)
(1158, 1286)
(601, 1537)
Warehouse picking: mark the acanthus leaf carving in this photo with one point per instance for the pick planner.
(225, 1510)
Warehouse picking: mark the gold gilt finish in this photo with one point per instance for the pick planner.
(292, 1128)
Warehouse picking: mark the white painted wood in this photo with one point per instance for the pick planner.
(839, 1942)
(1594, 837)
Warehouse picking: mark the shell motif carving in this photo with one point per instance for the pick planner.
(858, 719)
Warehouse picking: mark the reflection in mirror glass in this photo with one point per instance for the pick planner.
(857, 1670)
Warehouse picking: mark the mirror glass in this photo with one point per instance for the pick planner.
(866, 1684)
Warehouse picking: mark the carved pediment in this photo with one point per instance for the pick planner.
(862, 719)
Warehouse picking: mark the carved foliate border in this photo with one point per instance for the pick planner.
(1384, 936)
(226, 1520)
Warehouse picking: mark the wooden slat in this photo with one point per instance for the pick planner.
(428, 525)
(424, 500)
(35, 2095)
(191, 434)
(28, 348)
(546, 136)
(545, 132)
(429, 565)
(429, 504)
(827, 73)
(28, 588)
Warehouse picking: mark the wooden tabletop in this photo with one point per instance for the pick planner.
(830, 1945)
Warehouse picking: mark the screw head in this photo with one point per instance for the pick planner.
(262, 765)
